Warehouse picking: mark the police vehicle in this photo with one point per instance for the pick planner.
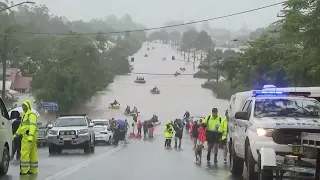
(73, 131)
(268, 118)
(102, 131)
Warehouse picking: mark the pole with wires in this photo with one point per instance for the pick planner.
(4, 66)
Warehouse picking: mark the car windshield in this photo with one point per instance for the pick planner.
(300, 108)
(100, 123)
(65, 122)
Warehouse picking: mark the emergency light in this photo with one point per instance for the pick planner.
(277, 93)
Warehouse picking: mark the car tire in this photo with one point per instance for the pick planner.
(109, 142)
(250, 163)
(236, 163)
(87, 147)
(5, 161)
(52, 150)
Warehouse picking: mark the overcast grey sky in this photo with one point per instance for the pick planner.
(157, 12)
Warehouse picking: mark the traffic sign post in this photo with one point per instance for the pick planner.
(50, 106)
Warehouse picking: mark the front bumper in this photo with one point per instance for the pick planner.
(102, 137)
(78, 140)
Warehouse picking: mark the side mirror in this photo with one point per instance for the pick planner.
(14, 115)
(242, 115)
(50, 126)
(108, 129)
(91, 124)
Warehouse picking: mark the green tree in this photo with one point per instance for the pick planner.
(188, 39)
(203, 41)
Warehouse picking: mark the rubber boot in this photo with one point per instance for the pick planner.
(215, 159)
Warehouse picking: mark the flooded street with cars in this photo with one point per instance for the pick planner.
(139, 158)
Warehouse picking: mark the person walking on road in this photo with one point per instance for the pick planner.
(213, 133)
(224, 129)
(168, 133)
(29, 133)
(178, 127)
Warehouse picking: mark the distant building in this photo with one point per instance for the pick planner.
(15, 81)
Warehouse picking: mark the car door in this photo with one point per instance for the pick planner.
(5, 128)
(243, 126)
(237, 133)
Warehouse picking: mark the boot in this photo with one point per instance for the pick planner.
(175, 145)
(215, 159)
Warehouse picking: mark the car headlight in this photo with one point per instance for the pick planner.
(264, 132)
(83, 131)
(53, 132)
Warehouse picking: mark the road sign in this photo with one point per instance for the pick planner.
(51, 106)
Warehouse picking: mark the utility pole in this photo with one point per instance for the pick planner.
(4, 65)
(184, 55)
(217, 68)
(209, 60)
(194, 59)
(201, 57)
(189, 53)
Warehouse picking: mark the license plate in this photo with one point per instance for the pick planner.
(297, 150)
(99, 138)
(302, 170)
(68, 137)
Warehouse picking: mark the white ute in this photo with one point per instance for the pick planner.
(268, 119)
(102, 131)
(71, 132)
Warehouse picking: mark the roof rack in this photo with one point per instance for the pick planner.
(66, 115)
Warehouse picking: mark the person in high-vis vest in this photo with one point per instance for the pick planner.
(213, 133)
(223, 141)
(168, 133)
(29, 133)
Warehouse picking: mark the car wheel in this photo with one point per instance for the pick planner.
(250, 163)
(109, 141)
(87, 147)
(52, 150)
(4, 166)
(236, 163)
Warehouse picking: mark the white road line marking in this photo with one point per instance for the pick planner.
(66, 172)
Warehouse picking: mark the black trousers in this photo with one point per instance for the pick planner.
(16, 147)
(167, 143)
(139, 130)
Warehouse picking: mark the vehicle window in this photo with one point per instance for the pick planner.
(249, 109)
(245, 106)
(3, 109)
(100, 123)
(301, 108)
(65, 122)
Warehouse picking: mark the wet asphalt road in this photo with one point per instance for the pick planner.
(140, 158)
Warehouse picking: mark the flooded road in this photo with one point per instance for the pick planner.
(140, 159)
(178, 94)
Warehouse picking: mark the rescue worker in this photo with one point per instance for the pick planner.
(145, 128)
(223, 141)
(29, 133)
(168, 133)
(213, 133)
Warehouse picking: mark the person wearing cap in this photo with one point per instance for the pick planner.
(29, 133)
(223, 141)
(213, 133)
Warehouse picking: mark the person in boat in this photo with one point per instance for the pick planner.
(114, 103)
(134, 110)
(155, 88)
(154, 118)
(127, 110)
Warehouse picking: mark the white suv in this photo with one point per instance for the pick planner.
(71, 132)
(270, 120)
(5, 137)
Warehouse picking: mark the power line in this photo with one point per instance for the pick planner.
(155, 28)
(9, 7)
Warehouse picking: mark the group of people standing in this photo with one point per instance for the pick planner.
(212, 129)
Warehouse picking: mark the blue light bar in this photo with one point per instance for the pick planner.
(275, 93)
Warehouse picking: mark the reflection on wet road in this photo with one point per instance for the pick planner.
(140, 159)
